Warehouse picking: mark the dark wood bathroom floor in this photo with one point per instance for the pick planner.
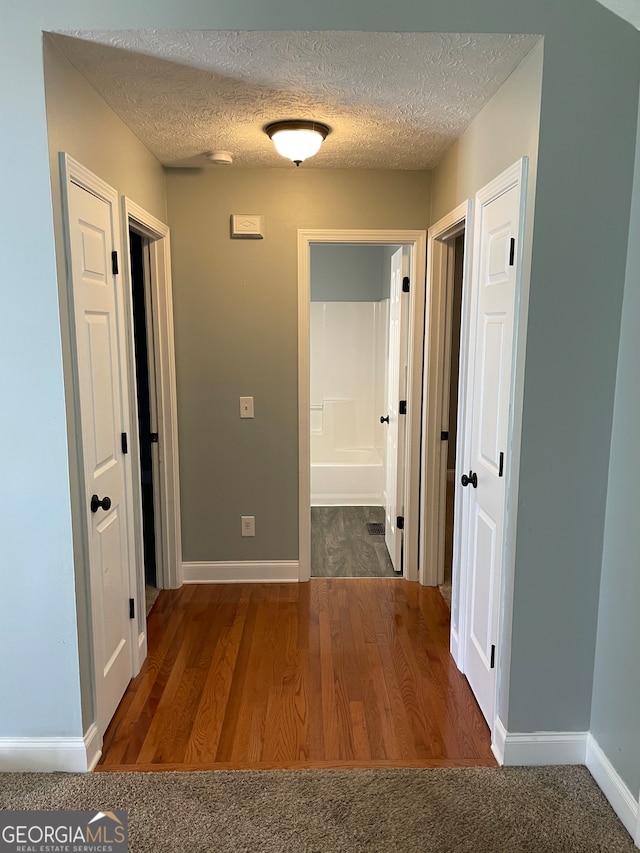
(342, 547)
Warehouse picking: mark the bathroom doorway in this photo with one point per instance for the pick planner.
(357, 369)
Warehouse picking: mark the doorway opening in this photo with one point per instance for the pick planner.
(450, 404)
(152, 442)
(347, 322)
(146, 406)
(358, 369)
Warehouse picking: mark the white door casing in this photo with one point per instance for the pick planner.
(437, 346)
(394, 479)
(164, 406)
(495, 277)
(165, 386)
(97, 339)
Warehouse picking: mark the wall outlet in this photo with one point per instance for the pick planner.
(248, 525)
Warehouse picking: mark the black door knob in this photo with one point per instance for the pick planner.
(97, 504)
(471, 479)
(384, 420)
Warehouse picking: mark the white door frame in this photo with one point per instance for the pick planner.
(417, 241)
(71, 171)
(439, 289)
(167, 515)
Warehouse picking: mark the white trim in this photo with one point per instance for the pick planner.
(417, 240)
(543, 748)
(454, 639)
(268, 571)
(142, 645)
(164, 356)
(620, 797)
(93, 746)
(498, 740)
(439, 276)
(540, 748)
(51, 754)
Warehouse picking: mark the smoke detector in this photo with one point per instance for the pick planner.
(220, 158)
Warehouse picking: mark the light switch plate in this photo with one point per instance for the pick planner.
(246, 407)
(249, 226)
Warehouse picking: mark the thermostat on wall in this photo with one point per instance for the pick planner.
(246, 225)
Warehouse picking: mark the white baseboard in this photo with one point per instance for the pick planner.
(346, 500)
(268, 571)
(498, 738)
(93, 746)
(49, 754)
(537, 748)
(620, 797)
(454, 646)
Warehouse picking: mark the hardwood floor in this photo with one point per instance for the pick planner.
(342, 547)
(331, 673)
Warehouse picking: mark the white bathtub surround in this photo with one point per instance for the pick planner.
(348, 358)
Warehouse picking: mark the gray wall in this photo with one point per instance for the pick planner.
(571, 352)
(235, 304)
(585, 170)
(615, 720)
(348, 273)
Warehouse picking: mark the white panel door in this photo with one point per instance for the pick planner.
(394, 479)
(484, 507)
(95, 306)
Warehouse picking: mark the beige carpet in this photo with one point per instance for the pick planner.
(478, 810)
(151, 594)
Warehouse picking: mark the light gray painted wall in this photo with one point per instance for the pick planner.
(347, 273)
(585, 171)
(615, 720)
(235, 305)
(571, 353)
(80, 123)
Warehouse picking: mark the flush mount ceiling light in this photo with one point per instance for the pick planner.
(297, 139)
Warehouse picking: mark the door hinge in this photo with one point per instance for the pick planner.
(153, 438)
(493, 657)
(406, 284)
(402, 407)
(124, 443)
(444, 435)
(400, 522)
(512, 252)
(114, 263)
(132, 609)
(501, 465)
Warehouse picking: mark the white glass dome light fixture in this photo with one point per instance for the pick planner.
(297, 139)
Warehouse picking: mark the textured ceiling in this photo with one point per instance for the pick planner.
(627, 9)
(393, 100)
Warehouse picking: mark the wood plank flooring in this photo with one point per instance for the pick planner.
(331, 673)
(342, 547)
